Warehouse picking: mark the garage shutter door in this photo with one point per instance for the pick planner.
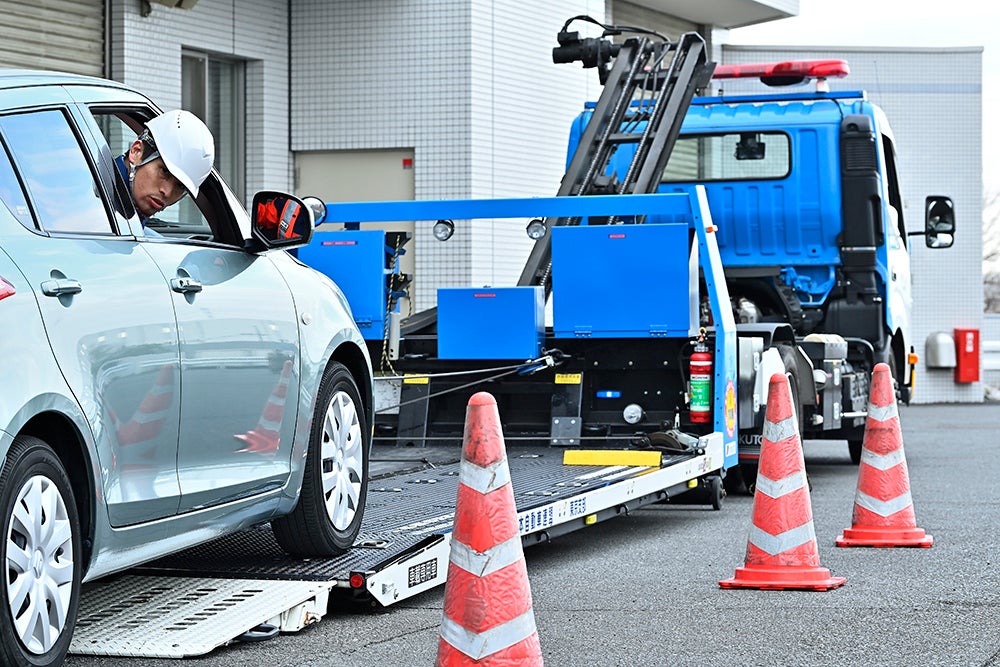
(63, 35)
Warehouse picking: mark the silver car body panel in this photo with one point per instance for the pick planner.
(156, 408)
(318, 302)
(239, 360)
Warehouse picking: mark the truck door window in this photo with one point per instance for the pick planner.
(55, 172)
(734, 156)
(892, 184)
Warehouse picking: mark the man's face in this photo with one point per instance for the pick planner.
(154, 188)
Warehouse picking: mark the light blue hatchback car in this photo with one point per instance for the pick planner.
(160, 388)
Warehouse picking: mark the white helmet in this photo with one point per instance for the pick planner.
(185, 144)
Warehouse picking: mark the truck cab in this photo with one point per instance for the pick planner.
(804, 189)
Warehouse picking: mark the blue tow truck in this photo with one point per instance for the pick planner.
(695, 246)
(804, 189)
(804, 194)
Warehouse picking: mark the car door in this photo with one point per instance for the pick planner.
(106, 308)
(238, 339)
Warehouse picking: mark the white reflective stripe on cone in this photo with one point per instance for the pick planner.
(882, 461)
(776, 544)
(478, 645)
(495, 558)
(883, 413)
(883, 507)
(783, 486)
(486, 479)
(786, 428)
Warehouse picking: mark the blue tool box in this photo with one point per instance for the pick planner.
(491, 322)
(355, 260)
(623, 281)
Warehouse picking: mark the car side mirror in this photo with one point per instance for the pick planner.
(280, 220)
(939, 222)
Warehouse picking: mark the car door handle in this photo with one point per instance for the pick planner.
(61, 286)
(185, 285)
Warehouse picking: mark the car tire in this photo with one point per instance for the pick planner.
(327, 517)
(42, 554)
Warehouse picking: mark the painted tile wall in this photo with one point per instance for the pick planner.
(469, 85)
(146, 53)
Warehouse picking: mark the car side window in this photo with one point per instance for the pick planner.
(183, 220)
(12, 194)
(56, 173)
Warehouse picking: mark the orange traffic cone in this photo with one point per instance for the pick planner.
(781, 552)
(883, 508)
(488, 619)
(266, 436)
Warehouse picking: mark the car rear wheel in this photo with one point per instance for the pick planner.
(331, 504)
(41, 550)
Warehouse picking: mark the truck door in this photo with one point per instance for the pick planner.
(897, 255)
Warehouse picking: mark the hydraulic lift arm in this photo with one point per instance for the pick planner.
(650, 83)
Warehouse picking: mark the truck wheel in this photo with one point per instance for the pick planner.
(42, 555)
(331, 503)
(854, 447)
(716, 492)
(792, 373)
(734, 481)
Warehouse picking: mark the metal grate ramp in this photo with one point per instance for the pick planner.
(179, 617)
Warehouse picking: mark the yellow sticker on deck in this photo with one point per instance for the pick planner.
(569, 378)
(417, 379)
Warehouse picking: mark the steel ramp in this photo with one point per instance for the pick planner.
(180, 617)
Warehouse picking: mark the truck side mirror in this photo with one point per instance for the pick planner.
(939, 222)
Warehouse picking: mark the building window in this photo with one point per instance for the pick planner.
(214, 90)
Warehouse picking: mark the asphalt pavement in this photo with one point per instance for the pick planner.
(643, 589)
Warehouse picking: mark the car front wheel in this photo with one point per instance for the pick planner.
(42, 553)
(331, 504)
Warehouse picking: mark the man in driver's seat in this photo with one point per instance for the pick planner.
(172, 157)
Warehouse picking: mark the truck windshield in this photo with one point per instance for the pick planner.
(732, 156)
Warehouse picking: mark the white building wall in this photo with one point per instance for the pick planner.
(933, 99)
(146, 53)
(469, 86)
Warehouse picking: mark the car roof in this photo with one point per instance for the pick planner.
(21, 78)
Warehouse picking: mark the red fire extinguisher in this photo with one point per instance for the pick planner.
(701, 382)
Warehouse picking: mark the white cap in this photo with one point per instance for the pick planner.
(186, 146)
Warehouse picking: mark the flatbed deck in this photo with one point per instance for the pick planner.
(402, 551)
